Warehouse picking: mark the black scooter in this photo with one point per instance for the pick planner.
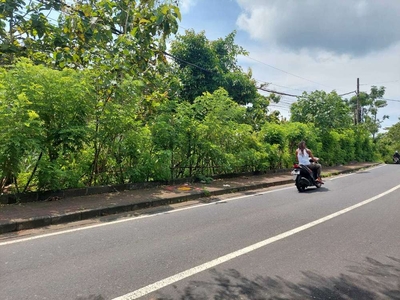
(304, 177)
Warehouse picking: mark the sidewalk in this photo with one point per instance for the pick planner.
(15, 217)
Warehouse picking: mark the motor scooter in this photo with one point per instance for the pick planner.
(304, 177)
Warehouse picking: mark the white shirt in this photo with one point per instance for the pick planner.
(304, 158)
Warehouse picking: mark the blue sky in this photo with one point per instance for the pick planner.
(298, 46)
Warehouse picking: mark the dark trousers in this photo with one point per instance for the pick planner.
(316, 167)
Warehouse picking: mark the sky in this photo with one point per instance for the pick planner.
(308, 45)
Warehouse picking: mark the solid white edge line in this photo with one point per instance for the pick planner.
(134, 218)
(342, 176)
(200, 268)
(139, 217)
(345, 175)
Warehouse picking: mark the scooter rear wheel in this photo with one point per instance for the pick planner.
(301, 188)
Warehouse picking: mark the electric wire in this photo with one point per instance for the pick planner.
(116, 31)
(259, 61)
(372, 84)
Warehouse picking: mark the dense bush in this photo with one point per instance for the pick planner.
(59, 132)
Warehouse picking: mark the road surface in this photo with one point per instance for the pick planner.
(338, 242)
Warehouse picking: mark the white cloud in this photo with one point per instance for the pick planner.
(341, 26)
(185, 5)
(308, 70)
(325, 45)
(316, 44)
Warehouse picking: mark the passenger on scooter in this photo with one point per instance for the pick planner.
(304, 155)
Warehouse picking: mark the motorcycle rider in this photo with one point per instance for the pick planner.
(304, 155)
(396, 156)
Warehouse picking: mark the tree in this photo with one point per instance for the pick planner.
(26, 30)
(205, 66)
(86, 31)
(119, 40)
(258, 112)
(325, 111)
(370, 103)
(388, 142)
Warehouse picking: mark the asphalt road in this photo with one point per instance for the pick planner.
(338, 242)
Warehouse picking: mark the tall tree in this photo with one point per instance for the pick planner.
(120, 40)
(205, 66)
(370, 103)
(325, 111)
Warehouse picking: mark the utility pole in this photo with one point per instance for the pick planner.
(358, 117)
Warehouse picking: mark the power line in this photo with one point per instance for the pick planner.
(276, 92)
(274, 106)
(381, 82)
(116, 31)
(391, 100)
(347, 93)
(286, 72)
(186, 62)
(282, 86)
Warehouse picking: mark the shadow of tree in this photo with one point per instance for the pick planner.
(371, 280)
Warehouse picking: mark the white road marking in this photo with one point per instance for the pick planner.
(140, 217)
(134, 218)
(345, 175)
(200, 268)
(341, 176)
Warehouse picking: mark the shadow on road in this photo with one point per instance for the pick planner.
(371, 280)
(316, 190)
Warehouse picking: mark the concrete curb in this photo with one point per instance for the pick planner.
(43, 221)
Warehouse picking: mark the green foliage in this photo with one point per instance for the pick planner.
(20, 132)
(274, 134)
(203, 179)
(364, 146)
(109, 109)
(296, 132)
(257, 113)
(207, 137)
(57, 175)
(281, 141)
(123, 33)
(218, 67)
(26, 30)
(325, 111)
(64, 129)
(331, 152)
(369, 103)
(43, 111)
(87, 32)
(388, 142)
(222, 135)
